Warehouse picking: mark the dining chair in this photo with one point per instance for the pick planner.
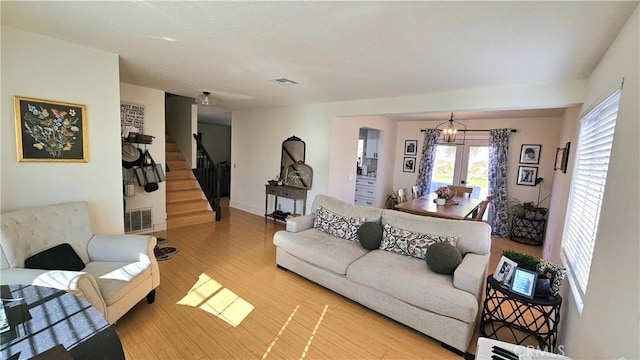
(403, 195)
(416, 191)
(481, 209)
(462, 190)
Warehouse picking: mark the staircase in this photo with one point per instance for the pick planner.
(186, 204)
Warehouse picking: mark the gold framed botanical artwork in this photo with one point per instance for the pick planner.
(50, 131)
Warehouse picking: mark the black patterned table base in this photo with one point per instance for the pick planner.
(512, 318)
(527, 231)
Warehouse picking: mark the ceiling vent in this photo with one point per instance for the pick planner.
(284, 81)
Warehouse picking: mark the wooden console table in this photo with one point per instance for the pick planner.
(287, 192)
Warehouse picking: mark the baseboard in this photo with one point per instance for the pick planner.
(245, 208)
(465, 355)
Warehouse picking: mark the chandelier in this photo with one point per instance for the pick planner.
(449, 131)
(204, 99)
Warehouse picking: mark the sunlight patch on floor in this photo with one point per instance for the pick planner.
(315, 330)
(264, 356)
(284, 327)
(210, 296)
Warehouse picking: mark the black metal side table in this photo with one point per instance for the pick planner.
(513, 318)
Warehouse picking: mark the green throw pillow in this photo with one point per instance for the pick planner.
(370, 235)
(443, 258)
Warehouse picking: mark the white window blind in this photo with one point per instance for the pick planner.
(587, 188)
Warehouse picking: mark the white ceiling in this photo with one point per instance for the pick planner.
(336, 51)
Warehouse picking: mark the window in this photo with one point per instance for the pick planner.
(587, 188)
(464, 165)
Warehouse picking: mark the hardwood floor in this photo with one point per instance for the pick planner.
(222, 297)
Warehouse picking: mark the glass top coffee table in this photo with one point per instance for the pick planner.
(42, 319)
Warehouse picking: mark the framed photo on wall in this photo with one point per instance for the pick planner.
(411, 147)
(409, 164)
(562, 158)
(50, 131)
(530, 154)
(527, 175)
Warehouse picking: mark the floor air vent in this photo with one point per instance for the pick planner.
(138, 220)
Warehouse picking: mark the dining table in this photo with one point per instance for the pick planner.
(457, 208)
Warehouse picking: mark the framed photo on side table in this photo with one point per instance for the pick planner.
(523, 282)
(411, 147)
(530, 154)
(504, 270)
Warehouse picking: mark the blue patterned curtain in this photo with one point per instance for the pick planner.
(427, 160)
(498, 149)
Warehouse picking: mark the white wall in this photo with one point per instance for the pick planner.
(182, 123)
(78, 75)
(542, 131)
(609, 326)
(153, 101)
(561, 186)
(256, 143)
(257, 134)
(344, 156)
(216, 139)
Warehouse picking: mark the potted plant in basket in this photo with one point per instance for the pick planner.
(528, 210)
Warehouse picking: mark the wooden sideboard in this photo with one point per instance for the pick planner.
(287, 192)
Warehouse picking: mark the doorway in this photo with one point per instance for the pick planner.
(368, 157)
(463, 165)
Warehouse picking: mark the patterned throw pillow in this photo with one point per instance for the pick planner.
(411, 243)
(337, 225)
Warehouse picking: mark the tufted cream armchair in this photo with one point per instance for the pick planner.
(120, 270)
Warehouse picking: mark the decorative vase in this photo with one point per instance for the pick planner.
(441, 201)
(543, 286)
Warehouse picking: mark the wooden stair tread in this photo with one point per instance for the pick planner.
(192, 213)
(183, 195)
(187, 206)
(174, 175)
(190, 218)
(185, 201)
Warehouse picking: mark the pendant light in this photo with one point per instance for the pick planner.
(449, 130)
(204, 99)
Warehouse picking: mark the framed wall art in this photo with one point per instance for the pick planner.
(411, 147)
(409, 164)
(132, 117)
(530, 154)
(562, 158)
(50, 131)
(527, 175)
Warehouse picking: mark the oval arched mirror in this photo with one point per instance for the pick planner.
(293, 152)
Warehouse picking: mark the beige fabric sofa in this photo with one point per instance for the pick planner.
(120, 270)
(445, 307)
